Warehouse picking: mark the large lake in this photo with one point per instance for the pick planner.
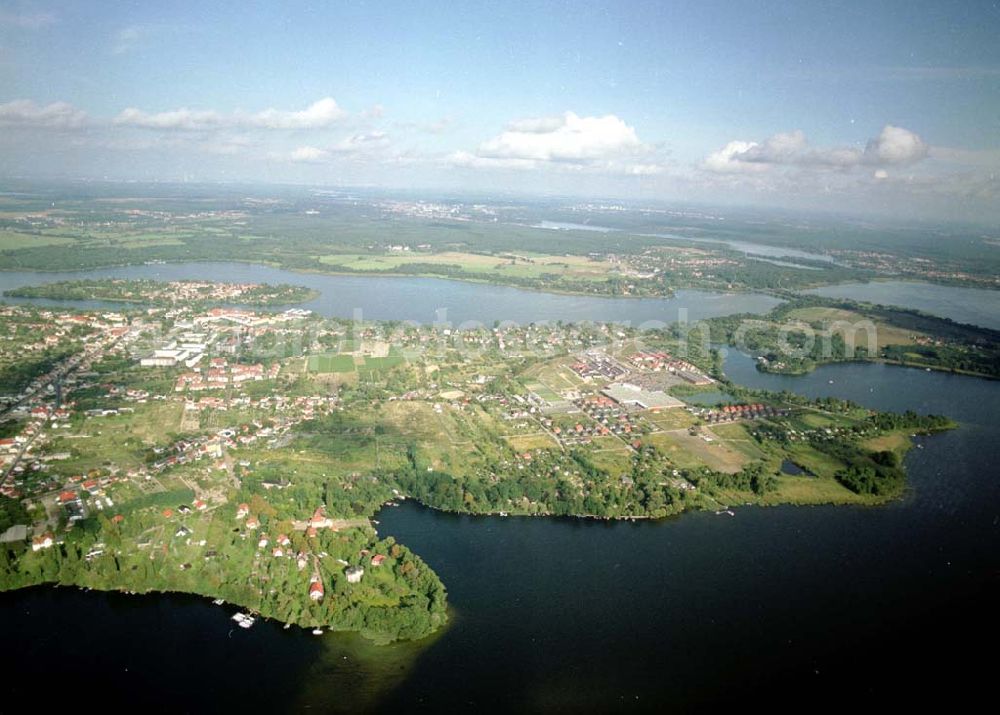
(427, 300)
(964, 305)
(752, 249)
(795, 606)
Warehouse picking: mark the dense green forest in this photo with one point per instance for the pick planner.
(11, 512)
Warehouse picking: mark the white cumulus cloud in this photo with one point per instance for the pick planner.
(728, 159)
(536, 125)
(356, 144)
(309, 155)
(469, 160)
(568, 138)
(643, 169)
(318, 115)
(893, 146)
(26, 113)
(782, 148)
(187, 119)
(368, 141)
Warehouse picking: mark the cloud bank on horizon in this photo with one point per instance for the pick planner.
(181, 94)
(893, 146)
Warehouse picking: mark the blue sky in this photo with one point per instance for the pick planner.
(894, 108)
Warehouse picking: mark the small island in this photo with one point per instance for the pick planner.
(168, 293)
(143, 453)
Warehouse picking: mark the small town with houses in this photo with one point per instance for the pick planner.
(138, 423)
(246, 454)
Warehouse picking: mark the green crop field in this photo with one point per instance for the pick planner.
(331, 363)
(520, 265)
(13, 240)
(885, 333)
(378, 364)
(690, 452)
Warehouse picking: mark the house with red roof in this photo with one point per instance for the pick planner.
(43, 541)
(320, 520)
(316, 590)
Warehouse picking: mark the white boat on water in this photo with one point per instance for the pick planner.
(218, 602)
(244, 620)
(317, 631)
